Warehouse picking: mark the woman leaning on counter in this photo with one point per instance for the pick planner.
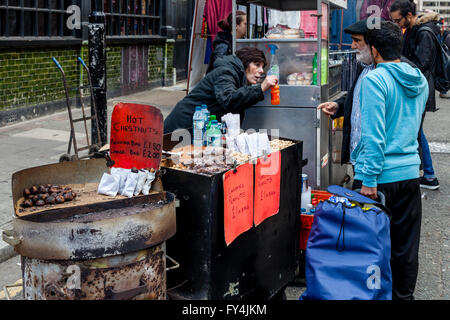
(232, 86)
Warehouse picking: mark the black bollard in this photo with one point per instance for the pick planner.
(97, 68)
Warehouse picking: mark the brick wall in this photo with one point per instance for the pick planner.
(29, 80)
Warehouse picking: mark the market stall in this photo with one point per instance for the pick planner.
(305, 81)
(238, 228)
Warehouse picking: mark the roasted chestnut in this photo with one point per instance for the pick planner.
(35, 198)
(27, 203)
(68, 196)
(34, 189)
(74, 195)
(54, 189)
(43, 196)
(60, 199)
(40, 203)
(50, 200)
(26, 192)
(30, 196)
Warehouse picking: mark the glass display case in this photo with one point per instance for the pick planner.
(300, 51)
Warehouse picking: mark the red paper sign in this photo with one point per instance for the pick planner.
(238, 201)
(267, 187)
(136, 136)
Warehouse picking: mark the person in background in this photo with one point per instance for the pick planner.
(232, 86)
(393, 99)
(223, 42)
(444, 39)
(420, 47)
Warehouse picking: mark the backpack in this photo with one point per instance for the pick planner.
(349, 249)
(441, 70)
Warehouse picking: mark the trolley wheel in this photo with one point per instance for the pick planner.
(65, 157)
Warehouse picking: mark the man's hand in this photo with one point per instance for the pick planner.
(329, 108)
(369, 192)
(269, 82)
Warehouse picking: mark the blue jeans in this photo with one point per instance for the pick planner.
(428, 171)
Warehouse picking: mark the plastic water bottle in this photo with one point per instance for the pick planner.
(306, 193)
(198, 125)
(213, 135)
(206, 114)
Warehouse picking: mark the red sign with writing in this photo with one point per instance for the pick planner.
(136, 136)
(267, 187)
(238, 201)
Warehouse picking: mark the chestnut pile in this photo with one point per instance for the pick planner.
(47, 194)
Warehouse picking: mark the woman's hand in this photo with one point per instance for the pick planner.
(269, 82)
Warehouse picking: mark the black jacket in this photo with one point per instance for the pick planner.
(222, 46)
(345, 106)
(421, 48)
(223, 90)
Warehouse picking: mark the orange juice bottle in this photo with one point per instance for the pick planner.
(275, 94)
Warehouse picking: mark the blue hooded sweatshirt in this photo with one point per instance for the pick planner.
(393, 98)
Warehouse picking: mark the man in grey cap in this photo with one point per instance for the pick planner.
(348, 106)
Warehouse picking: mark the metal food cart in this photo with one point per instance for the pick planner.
(297, 117)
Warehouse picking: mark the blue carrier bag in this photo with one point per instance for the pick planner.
(349, 249)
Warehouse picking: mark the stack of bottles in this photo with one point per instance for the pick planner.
(206, 128)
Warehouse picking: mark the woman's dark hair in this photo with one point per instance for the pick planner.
(387, 39)
(251, 54)
(227, 23)
(404, 6)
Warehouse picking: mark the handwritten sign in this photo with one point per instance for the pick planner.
(136, 136)
(267, 187)
(238, 201)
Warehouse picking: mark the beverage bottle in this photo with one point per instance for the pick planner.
(197, 127)
(224, 131)
(274, 70)
(275, 94)
(211, 118)
(206, 114)
(314, 70)
(213, 135)
(306, 192)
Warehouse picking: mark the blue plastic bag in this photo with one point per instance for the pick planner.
(348, 250)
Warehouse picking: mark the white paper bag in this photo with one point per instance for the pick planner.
(252, 143)
(121, 174)
(130, 184)
(109, 185)
(148, 182)
(142, 176)
(241, 142)
(263, 144)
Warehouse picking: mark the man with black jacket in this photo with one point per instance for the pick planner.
(420, 47)
(348, 106)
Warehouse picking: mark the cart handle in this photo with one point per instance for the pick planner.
(82, 62)
(57, 64)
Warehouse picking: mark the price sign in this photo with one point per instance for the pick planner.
(136, 136)
(238, 201)
(267, 187)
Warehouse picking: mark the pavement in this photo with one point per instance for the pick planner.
(43, 140)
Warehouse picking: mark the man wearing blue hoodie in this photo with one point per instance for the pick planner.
(393, 98)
